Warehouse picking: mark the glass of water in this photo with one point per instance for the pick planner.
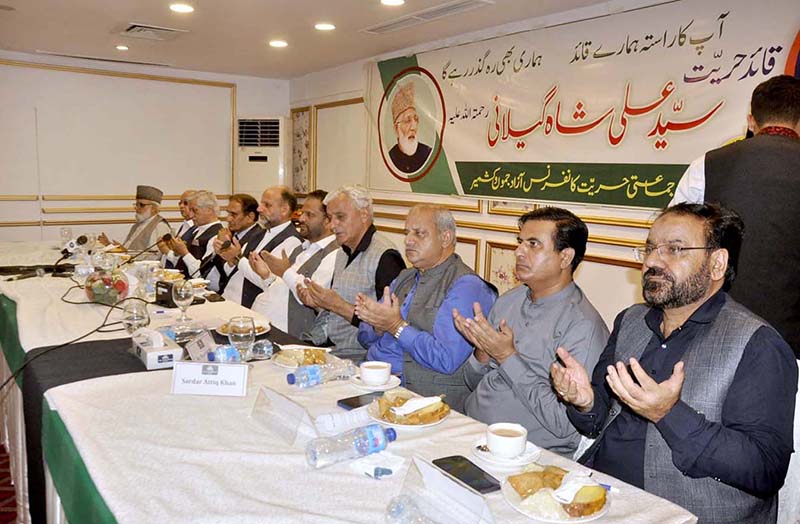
(183, 295)
(135, 316)
(242, 335)
(65, 234)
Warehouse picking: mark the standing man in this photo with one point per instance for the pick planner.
(185, 230)
(313, 259)
(243, 226)
(149, 226)
(205, 210)
(408, 154)
(367, 263)
(412, 327)
(693, 397)
(509, 372)
(760, 179)
(275, 213)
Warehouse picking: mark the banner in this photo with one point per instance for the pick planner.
(607, 111)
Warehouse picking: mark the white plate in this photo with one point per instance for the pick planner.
(531, 453)
(372, 410)
(392, 383)
(260, 329)
(515, 501)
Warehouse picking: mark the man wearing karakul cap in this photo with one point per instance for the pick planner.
(408, 154)
(149, 226)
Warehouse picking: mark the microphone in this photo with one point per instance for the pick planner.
(73, 245)
(165, 238)
(30, 274)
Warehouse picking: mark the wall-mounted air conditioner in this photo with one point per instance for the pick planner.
(259, 163)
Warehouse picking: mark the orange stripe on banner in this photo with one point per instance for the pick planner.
(791, 62)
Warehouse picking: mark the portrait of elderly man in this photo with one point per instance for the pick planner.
(408, 154)
(693, 397)
(197, 246)
(509, 372)
(367, 262)
(149, 226)
(412, 327)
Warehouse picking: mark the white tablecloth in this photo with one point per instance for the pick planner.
(29, 253)
(157, 457)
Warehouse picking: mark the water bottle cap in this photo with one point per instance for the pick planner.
(290, 378)
(391, 434)
(211, 356)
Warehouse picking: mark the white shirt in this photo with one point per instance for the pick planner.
(274, 301)
(233, 291)
(171, 257)
(192, 264)
(692, 185)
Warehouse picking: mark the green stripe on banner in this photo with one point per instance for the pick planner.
(439, 179)
(80, 499)
(9, 336)
(640, 185)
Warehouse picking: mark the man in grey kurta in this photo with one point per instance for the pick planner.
(509, 372)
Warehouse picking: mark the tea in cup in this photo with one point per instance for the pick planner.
(375, 373)
(506, 439)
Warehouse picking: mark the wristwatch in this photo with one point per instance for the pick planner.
(400, 328)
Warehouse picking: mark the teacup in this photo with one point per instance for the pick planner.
(506, 439)
(375, 373)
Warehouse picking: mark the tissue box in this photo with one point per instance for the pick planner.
(159, 358)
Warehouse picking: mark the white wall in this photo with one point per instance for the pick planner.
(166, 158)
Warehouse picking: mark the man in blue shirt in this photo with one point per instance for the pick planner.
(693, 397)
(412, 327)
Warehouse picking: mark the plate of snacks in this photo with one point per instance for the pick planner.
(292, 356)
(552, 494)
(222, 329)
(404, 409)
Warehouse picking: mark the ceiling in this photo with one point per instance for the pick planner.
(230, 36)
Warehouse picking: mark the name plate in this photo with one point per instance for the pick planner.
(199, 346)
(207, 378)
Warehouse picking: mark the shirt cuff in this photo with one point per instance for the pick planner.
(514, 368)
(477, 365)
(407, 337)
(679, 424)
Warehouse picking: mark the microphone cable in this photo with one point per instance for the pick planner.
(165, 238)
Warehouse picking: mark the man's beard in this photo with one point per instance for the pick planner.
(264, 222)
(407, 145)
(141, 217)
(669, 294)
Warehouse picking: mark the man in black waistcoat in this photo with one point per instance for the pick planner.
(760, 179)
(205, 209)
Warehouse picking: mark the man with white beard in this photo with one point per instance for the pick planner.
(408, 155)
(149, 226)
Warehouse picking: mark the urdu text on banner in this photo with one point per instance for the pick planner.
(606, 111)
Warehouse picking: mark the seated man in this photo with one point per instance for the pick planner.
(275, 213)
(205, 209)
(313, 259)
(693, 397)
(220, 266)
(366, 263)
(413, 326)
(149, 228)
(509, 371)
(185, 231)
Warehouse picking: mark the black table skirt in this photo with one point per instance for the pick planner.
(69, 364)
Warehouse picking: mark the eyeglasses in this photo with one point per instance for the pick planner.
(139, 205)
(408, 120)
(665, 251)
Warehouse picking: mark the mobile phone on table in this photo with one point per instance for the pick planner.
(358, 401)
(467, 472)
(214, 297)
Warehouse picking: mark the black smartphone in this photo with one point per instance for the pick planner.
(214, 297)
(358, 401)
(467, 472)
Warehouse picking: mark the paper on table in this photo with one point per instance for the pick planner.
(571, 484)
(415, 404)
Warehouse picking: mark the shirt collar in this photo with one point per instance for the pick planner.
(322, 243)
(555, 297)
(363, 244)
(242, 233)
(202, 229)
(705, 314)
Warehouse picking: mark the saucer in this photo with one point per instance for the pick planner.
(392, 383)
(531, 453)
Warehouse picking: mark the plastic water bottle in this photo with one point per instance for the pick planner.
(403, 510)
(309, 376)
(224, 354)
(356, 443)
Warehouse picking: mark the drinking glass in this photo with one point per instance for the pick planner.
(183, 295)
(242, 335)
(65, 234)
(135, 316)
